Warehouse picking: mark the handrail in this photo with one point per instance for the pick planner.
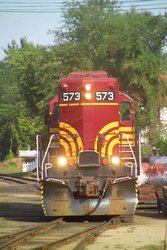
(38, 156)
(122, 179)
(47, 166)
(47, 149)
(46, 152)
(131, 152)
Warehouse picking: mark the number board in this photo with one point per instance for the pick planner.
(99, 96)
(71, 96)
(104, 96)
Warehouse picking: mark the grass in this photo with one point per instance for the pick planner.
(12, 167)
(151, 247)
(12, 171)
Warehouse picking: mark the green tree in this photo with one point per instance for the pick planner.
(162, 145)
(161, 142)
(33, 71)
(8, 112)
(96, 36)
(35, 74)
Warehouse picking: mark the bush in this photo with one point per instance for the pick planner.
(146, 151)
(162, 146)
(9, 156)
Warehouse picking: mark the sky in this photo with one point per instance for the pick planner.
(34, 18)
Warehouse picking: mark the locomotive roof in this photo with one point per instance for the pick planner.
(81, 74)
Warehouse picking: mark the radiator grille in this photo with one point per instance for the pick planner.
(88, 158)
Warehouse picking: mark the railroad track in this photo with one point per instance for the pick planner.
(56, 234)
(22, 180)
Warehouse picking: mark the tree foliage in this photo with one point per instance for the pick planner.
(35, 71)
(95, 36)
(162, 145)
(127, 45)
(8, 112)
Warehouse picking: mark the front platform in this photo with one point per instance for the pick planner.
(58, 200)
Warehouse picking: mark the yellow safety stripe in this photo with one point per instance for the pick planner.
(42, 198)
(89, 104)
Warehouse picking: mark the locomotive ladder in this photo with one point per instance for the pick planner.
(126, 152)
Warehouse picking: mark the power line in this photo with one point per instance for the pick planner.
(47, 4)
(56, 11)
(153, 4)
(30, 11)
(59, 7)
(28, 2)
(65, 1)
(35, 4)
(82, 2)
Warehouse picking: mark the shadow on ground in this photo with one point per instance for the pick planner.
(28, 212)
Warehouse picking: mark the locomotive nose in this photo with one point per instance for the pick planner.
(89, 158)
(89, 162)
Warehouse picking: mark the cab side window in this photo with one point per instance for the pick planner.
(125, 111)
(56, 113)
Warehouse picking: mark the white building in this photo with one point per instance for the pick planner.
(31, 159)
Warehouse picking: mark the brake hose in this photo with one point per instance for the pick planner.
(100, 197)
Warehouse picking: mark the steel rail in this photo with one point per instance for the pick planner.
(87, 232)
(83, 243)
(114, 221)
(15, 235)
(22, 236)
(17, 179)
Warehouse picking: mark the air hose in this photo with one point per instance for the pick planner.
(100, 197)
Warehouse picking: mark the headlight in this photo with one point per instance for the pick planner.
(87, 87)
(62, 161)
(88, 96)
(115, 160)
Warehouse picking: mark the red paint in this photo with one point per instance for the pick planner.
(88, 117)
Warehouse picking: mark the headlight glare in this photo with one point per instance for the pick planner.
(87, 87)
(88, 96)
(62, 161)
(115, 160)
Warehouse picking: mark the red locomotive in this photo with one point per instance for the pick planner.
(89, 163)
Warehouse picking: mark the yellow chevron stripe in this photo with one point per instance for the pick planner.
(64, 143)
(111, 146)
(109, 126)
(54, 130)
(108, 137)
(71, 141)
(129, 136)
(125, 129)
(111, 143)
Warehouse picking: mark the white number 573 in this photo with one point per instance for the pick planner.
(105, 96)
(71, 96)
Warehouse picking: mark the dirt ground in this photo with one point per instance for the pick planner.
(147, 232)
